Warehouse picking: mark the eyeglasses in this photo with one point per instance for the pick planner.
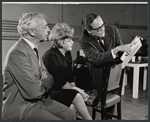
(99, 28)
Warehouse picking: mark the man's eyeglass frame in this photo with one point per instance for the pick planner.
(99, 28)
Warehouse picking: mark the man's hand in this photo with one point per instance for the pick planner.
(123, 48)
(44, 75)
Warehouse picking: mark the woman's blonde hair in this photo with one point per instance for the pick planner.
(59, 32)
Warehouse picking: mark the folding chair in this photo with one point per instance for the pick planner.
(111, 94)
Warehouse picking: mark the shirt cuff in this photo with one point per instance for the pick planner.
(113, 55)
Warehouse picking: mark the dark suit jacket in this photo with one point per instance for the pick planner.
(59, 66)
(23, 91)
(100, 56)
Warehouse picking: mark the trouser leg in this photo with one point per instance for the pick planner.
(61, 111)
(48, 116)
(97, 93)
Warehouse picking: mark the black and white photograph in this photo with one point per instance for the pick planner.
(74, 61)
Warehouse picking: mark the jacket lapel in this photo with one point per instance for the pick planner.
(30, 50)
(108, 39)
(93, 41)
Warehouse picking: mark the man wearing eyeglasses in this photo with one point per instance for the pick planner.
(101, 44)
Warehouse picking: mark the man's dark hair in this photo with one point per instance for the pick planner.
(89, 19)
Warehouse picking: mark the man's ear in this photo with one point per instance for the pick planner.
(32, 33)
(87, 30)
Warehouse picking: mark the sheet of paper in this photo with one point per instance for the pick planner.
(136, 44)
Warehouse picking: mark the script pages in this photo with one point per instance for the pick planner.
(136, 44)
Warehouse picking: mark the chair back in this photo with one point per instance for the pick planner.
(114, 77)
(110, 91)
(113, 82)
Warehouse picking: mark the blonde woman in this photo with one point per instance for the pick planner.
(59, 66)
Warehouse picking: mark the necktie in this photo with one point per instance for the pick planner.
(101, 43)
(36, 51)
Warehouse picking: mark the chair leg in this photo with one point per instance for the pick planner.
(103, 114)
(93, 113)
(119, 110)
(110, 112)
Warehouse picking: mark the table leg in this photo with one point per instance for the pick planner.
(124, 82)
(145, 78)
(135, 82)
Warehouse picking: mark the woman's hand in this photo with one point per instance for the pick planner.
(84, 95)
(72, 86)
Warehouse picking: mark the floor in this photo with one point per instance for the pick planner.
(132, 109)
(135, 109)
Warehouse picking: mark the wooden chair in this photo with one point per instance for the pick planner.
(111, 94)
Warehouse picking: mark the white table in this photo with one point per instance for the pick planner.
(136, 66)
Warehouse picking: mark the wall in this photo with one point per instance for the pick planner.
(131, 19)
